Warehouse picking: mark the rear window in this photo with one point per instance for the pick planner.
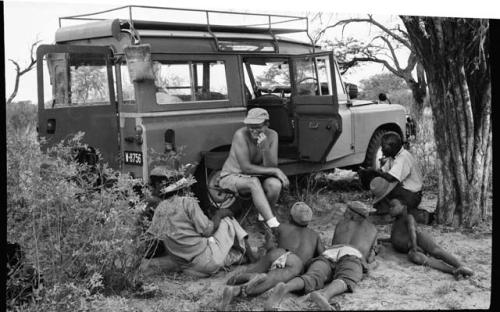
(75, 80)
(198, 81)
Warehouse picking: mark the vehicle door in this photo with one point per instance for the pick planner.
(314, 98)
(76, 93)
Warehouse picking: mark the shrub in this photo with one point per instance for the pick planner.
(71, 228)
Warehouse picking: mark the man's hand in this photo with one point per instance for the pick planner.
(219, 215)
(262, 142)
(282, 177)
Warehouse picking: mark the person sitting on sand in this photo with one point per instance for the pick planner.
(406, 237)
(341, 266)
(295, 245)
(198, 245)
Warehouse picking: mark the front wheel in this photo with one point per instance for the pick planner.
(373, 155)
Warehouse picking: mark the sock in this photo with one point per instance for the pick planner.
(260, 217)
(273, 222)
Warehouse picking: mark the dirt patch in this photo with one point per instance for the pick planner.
(393, 284)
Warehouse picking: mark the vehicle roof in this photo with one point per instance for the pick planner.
(95, 26)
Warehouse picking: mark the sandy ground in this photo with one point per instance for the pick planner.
(393, 284)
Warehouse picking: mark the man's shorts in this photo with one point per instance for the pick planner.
(348, 268)
(229, 181)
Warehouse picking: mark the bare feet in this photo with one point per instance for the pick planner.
(462, 272)
(254, 281)
(272, 304)
(227, 296)
(321, 301)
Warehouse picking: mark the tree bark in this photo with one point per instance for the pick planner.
(458, 73)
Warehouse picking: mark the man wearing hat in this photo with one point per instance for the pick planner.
(254, 153)
(295, 245)
(341, 266)
(197, 245)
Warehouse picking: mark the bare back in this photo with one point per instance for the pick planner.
(302, 241)
(358, 234)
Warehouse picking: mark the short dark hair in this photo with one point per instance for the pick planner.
(393, 139)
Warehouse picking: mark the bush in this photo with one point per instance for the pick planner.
(21, 115)
(70, 228)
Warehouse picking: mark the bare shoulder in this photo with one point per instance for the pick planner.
(272, 134)
(240, 133)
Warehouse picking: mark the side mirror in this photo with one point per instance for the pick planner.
(139, 62)
(352, 90)
(383, 97)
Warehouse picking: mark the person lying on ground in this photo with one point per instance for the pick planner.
(198, 245)
(406, 237)
(401, 170)
(295, 245)
(340, 267)
(254, 154)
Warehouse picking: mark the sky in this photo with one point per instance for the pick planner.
(28, 21)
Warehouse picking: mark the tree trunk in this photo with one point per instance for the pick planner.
(457, 67)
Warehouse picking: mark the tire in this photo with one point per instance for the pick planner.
(212, 199)
(373, 154)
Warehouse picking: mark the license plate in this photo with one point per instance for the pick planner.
(133, 158)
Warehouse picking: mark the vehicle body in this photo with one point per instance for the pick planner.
(205, 78)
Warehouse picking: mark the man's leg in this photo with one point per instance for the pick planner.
(293, 267)
(318, 272)
(322, 297)
(253, 185)
(348, 272)
(272, 187)
(425, 241)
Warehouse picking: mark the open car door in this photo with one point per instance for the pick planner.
(76, 93)
(314, 98)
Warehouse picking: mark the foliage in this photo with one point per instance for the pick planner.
(71, 227)
(388, 83)
(21, 115)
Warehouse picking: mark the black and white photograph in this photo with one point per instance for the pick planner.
(254, 156)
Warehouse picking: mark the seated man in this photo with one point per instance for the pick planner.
(254, 152)
(195, 243)
(407, 238)
(400, 167)
(341, 266)
(296, 245)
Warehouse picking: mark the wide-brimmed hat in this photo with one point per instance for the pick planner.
(360, 208)
(380, 187)
(256, 116)
(301, 213)
(176, 180)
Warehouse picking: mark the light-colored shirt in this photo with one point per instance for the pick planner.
(183, 227)
(405, 168)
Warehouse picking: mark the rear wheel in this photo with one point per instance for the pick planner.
(211, 197)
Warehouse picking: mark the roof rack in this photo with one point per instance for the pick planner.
(132, 13)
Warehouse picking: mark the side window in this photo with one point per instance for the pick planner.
(306, 82)
(324, 74)
(75, 80)
(178, 82)
(127, 85)
(341, 92)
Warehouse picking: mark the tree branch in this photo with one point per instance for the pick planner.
(20, 72)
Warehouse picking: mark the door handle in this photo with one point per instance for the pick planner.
(51, 126)
(313, 125)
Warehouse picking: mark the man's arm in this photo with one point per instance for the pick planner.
(243, 157)
(219, 215)
(270, 150)
(412, 229)
(319, 247)
(389, 177)
(201, 223)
